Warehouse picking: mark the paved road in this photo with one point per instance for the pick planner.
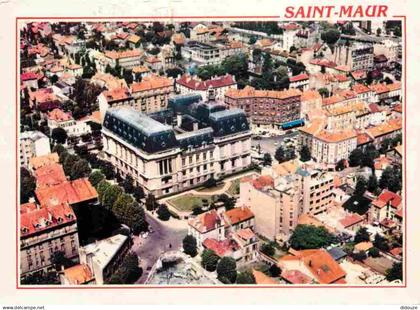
(268, 144)
(165, 233)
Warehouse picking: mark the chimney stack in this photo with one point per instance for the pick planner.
(179, 120)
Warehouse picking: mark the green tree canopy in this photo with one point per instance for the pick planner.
(190, 245)
(111, 195)
(163, 213)
(209, 260)
(310, 237)
(226, 270)
(394, 273)
(362, 235)
(59, 135)
(245, 277)
(96, 177)
(305, 154)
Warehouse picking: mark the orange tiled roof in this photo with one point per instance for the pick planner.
(123, 54)
(310, 95)
(296, 277)
(120, 93)
(385, 128)
(40, 161)
(151, 82)
(387, 197)
(221, 247)
(320, 263)
(262, 278)
(363, 246)
(237, 215)
(59, 115)
(78, 274)
(336, 136)
(141, 69)
(263, 181)
(71, 192)
(27, 207)
(49, 175)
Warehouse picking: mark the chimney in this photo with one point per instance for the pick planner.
(179, 120)
(195, 126)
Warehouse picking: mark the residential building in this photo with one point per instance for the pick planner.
(126, 59)
(265, 107)
(357, 56)
(388, 206)
(103, 257)
(120, 96)
(201, 53)
(59, 119)
(32, 144)
(218, 85)
(318, 265)
(45, 230)
(152, 93)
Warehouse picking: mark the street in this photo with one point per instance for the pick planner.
(164, 234)
(268, 144)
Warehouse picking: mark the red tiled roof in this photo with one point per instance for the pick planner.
(206, 221)
(295, 277)
(221, 248)
(237, 215)
(78, 274)
(49, 175)
(263, 181)
(299, 77)
(45, 218)
(197, 84)
(151, 82)
(27, 76)
(363, 138)
(387, 197)
(351, 220)
(320, 263)
(59, 115)
(71, 192)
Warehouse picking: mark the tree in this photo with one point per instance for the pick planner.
(138, 193)
(330, 36)
(139, 219)
(69, 162)
(151, 203)
(360, 186)
(381, 243)
(226, 270)
(280, 155)
(372, 184)
(362, 235)
(101, 188)
(27, 185)
(341, 165)
(324, 92)
(394, 273)
(163, 213)
(128, 184)
(229, 202)
(59, 260)
(359, 256)
(267, 160)
(245, 277)
(374, 252)
(355, 158)
(274, 271)
(96, 177)
(236, 65)
(391, 179)
(310, 237)
(59, 135)
(128, 272)
(81, 169)
(41, 278)
(268, 249)
(107, 169)
(54, 79)
(305, 154)
(378, 32)
(189, 245)
(209, 260)
(110, 196)
(210, 182)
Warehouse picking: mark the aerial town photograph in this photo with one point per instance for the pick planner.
(210, 153)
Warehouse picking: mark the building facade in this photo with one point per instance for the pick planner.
(32, 144)
(165, 160)
(263, 107)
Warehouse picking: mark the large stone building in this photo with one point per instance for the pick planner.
(356, 56)
(32, 144)
(207, 141)
(44, 231)
(264, 107)
(126, 59)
